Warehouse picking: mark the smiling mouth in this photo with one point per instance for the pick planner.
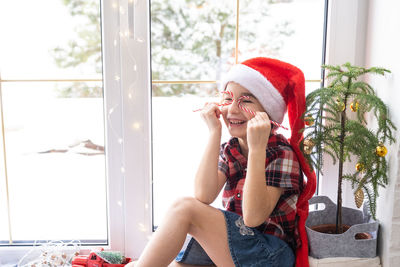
(236, 122)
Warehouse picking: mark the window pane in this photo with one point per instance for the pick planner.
(54, 131)
(191, 39)
(290, 30)
(179, 139)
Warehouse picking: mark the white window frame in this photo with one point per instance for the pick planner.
(346, 38)
(126, 58)
(127, 107)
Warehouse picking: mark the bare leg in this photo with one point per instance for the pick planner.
(188, 215)
(177, 264)
(173, 264)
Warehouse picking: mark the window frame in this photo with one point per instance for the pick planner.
(346, 39)
(127, 107)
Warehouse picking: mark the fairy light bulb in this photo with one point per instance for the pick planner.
(120, 141)
(142, 227)
(117, 78)
(136, 126)
(122, 169)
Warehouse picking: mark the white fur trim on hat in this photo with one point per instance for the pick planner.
(269, 97)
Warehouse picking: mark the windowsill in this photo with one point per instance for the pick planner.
(10, 256)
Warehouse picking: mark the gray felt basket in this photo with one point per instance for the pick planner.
(342, 245)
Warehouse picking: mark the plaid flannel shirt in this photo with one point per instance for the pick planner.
(282, 170)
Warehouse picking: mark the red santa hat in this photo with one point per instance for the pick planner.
(280, 87)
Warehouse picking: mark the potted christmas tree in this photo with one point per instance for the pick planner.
(336, 125)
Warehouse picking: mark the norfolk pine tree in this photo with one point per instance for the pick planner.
(332, 130)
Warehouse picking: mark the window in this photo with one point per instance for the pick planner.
(52, 169)
(193, 44)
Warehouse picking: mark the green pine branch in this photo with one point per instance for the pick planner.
(344, 138)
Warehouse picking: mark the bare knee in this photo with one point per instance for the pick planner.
(183, 206)
(185, 209)
(177, 264)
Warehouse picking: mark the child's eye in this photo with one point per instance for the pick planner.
(245, 100)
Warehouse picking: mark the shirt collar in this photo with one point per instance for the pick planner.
(233, 148)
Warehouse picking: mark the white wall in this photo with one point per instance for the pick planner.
(367, 33)
(382, 49)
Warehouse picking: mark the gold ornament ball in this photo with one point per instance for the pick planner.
(309, 121)
(340, 105)
(360, 167)
(307, 150)
(354, 106)
(309, 142)
(381, 150)
(359, 197)
(308, 146)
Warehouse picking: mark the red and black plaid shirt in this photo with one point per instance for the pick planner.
(282, 170)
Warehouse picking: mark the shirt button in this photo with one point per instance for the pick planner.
(238, 195)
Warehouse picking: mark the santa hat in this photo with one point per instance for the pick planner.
(280, 87)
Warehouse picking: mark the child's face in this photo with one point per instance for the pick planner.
(236, 118)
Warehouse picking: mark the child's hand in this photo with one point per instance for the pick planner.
(258, 131)
(211, 114)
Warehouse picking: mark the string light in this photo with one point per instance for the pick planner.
(121, 10)
(123, 39)
(142, 227)
(136, 126)
(53, 253)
